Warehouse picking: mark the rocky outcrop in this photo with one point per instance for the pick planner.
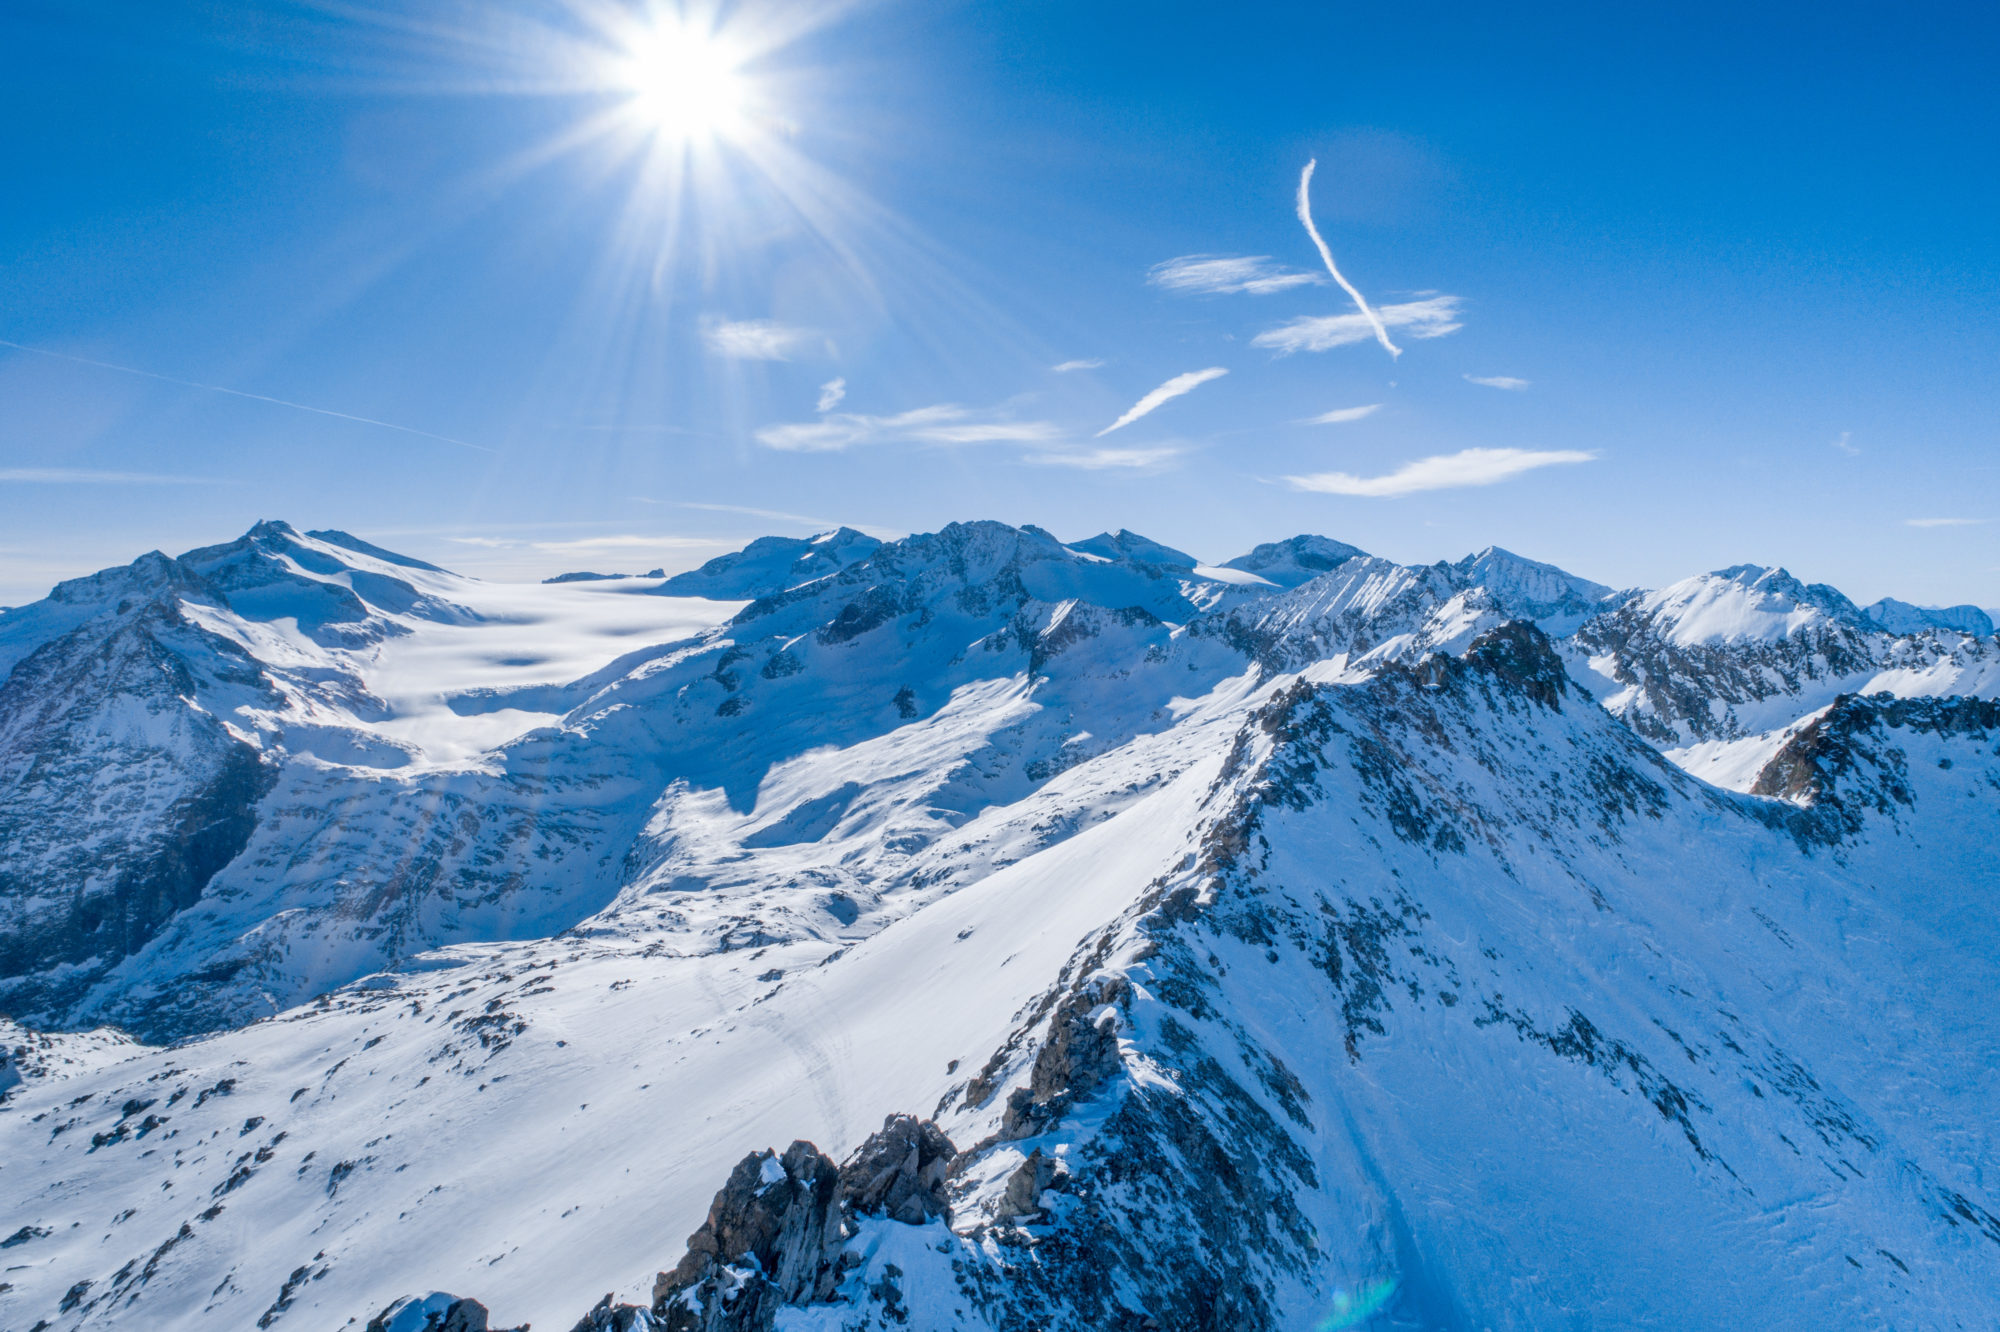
(436, 1312)
(1851, 760)
(777, 1231)
(899, 1173)
(120, 795)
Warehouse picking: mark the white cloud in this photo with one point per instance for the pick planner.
(830, 394)
(1221, 274)
(1942, 522)
(1166, 392)
(1472, 467)
(1375, 323)
(1342, 415)
(945, 423)
(1068, 366)
(755, 339)
(67, 476)
(1430, 317)
(1845, 446)
(1097, 460)
(1508, 382)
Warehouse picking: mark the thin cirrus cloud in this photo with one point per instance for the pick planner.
(1846, 444)
(942, 424)
(1507, 382)
(1167, 392)
(1068, 366)
(1342, 415)
(1942, 522)
(830, 394)
(1226, 274)
(75, 476)
(1449, 471)
(755, 339)
(1428, 317)
(1101, 460)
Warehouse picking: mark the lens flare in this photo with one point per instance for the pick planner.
(685, 83)
(1353, 1308)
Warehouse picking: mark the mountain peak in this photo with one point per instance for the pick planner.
(1900, 617)
(1128, 545)
(1296, 560)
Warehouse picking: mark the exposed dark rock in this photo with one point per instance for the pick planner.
(772, 1236)
(437, 1312)
(775, 1233)
(900, 1172)
(1023, 1195)
(608, 1317)
(1079, 1056)
(1848, 761)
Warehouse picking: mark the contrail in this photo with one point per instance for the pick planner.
(1305, 216)
(1173, 388)
(239, 393)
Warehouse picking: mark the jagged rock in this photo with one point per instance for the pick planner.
(435, 1312)
(1849, 761)
(1023, 1195)
(609, 1317)
(771, 1238)
(1080, 1055)
(900, 1172)
(775, 1232)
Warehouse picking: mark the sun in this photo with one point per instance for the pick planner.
(685, 84)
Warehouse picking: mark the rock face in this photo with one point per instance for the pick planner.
(121, 796)
(436, 1312)
(1746, 650)
(1851, 761)
(775, 1233)
(900, 1173)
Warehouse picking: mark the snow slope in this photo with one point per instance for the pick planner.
(1306, 913)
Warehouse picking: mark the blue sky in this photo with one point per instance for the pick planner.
(1731, 277)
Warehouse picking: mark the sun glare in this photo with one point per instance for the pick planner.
(685, 84)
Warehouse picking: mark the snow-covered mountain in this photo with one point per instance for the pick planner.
(1127, 941)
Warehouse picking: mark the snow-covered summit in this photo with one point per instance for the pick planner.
(1555, 599)
(772, 564)
(1900, 617)
(1162, 892)
(1740, 604)
(1126, 545)
(1296, 560)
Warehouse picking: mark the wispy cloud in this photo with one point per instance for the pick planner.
(945, 423)
(72, 476)
(830, 394)
(1166, 392)
(780, 516)
(1942, 522)
(1067, 366)
(755, 339)
(1429, 317)
(1342, 415)
(239, 393)
(1472, 467)
(1845, 444)
(625, 541)
(1222, 274)
(1326, 255)
(1099, 460)
(1508, 382)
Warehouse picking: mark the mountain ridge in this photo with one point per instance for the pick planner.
(1340, 932)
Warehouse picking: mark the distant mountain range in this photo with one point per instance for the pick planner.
(1308, 940)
